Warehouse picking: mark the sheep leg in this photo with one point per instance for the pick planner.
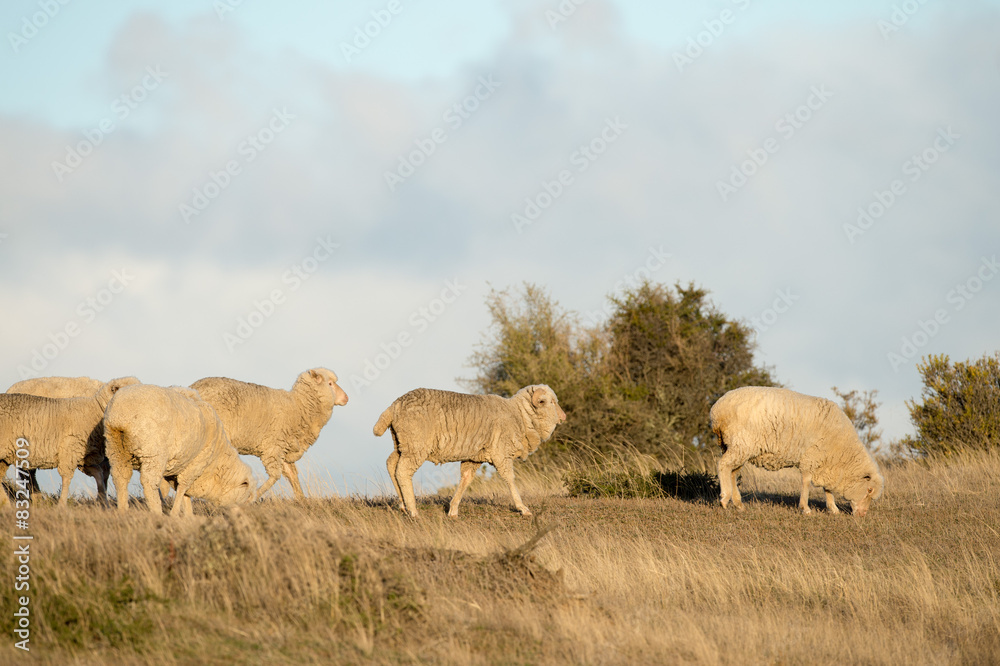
(66, 472)
(292, 474)
(831, 503)
(164, 489)
(405, 469)
(33, 479)
(737, 498)
(468, 472)
(505, 468)
(102, 488)
(391, 462)
(273, 469)
(728, 468)
(150, 488)
(121, 476)
(804, 498)
(95, 472)
(181, 500)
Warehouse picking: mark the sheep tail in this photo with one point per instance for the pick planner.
(384, 421)
(717, 428)
(114, 439)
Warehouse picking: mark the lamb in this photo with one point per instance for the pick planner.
(60, 387)
(63, 433)
(443, 426)
(275, 425)
(775, 428)
(172, 434)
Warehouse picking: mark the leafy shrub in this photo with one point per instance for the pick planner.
(959, 406)
(646, 378)
(861, 408)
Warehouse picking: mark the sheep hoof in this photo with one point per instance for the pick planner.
(806, 511)
(740, 508)
(525, 512)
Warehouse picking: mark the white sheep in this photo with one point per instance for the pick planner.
(57, 387)
(443, 426)
(172, 434)
(62, 433)
(62, 387)
(775, 428)
(275, 425)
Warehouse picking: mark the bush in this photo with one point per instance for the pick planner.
(645, 379)
(862, 409)
(959, 406)
(676, 354)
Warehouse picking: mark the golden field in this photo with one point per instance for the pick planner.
(617, 581)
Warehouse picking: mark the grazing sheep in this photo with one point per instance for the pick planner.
(171, 433)
(61, 387)
(63, 433)
(775, 428)
(442, 426)
(275, 425)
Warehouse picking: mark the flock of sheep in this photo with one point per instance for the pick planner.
(189, 439)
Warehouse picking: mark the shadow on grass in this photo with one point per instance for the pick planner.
(788, 501)
(697, 487)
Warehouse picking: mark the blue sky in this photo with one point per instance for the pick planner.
(746, 159)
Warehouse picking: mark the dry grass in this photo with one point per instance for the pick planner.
(616, 581)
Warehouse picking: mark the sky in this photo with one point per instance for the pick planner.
(248, 190)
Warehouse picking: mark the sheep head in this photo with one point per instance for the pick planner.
(328, 378)
(863, 492)
(547, 412)
(230, 482)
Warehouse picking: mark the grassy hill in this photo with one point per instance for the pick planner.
(606, 581)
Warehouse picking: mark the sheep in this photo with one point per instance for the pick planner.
(64, 433)
(443, 426)
(60, 387)
(275, 425)
(172, 434)
(57, 387)
(775, 428)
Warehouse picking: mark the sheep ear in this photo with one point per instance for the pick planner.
(315, 375)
